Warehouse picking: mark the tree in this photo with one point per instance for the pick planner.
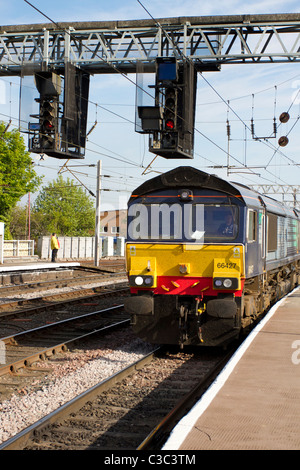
(19, 223)
(66, 208)
(17, 176)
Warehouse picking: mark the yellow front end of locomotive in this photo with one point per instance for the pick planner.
(185, 268)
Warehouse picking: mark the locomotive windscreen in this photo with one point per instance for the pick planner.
(188, 222)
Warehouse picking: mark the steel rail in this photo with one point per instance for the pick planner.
(56, 303)
(55, 347)
(155, 438)
(159, 434)
(48, 284)
(20, 439)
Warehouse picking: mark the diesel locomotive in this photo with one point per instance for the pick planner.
(205, 257)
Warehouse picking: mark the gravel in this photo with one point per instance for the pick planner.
(71, 374)
(70, 377)
(32, 295)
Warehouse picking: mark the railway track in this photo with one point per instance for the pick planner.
(15, 304)
(134, 409)
(109, 415)
(24, 349)
(38, 285)
(28, 306)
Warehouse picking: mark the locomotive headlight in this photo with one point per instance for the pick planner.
(139, 280)
(186, 195)
(227, 283)
(148, 281)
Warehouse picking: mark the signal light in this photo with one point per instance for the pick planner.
(169, 124)
(170, 110)
(47, 142)
(48, 122)
(47, 115)
(48, 125)
(170, 99)
(172, 129)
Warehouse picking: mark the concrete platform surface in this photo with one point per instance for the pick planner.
(34, 266)
(254, 404)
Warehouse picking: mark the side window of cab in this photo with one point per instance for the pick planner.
(252, 226)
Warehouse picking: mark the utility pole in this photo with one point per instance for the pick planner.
(97, 225)
(29, 215)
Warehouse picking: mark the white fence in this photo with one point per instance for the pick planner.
(81, 247)
(18, 248)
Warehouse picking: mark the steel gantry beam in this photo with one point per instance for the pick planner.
(288, 192)
(118, 46)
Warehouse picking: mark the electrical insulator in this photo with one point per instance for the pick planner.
(228, 129)
(252, 128)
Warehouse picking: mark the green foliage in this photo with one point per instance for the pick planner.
(17, 176)
(66, 208)
(19, 221)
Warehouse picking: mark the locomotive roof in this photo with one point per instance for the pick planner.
(189, 177)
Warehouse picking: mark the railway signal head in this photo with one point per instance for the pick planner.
(170, 121)
(48, 115)
(170, 109)
(48, 122)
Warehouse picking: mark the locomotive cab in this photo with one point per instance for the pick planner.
(193, 242)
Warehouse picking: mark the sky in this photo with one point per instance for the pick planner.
(261, 92)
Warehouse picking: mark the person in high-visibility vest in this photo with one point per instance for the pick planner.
(54, 247)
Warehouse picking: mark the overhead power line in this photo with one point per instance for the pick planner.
(124, 75)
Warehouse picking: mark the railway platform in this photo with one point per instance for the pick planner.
(254, 404)
(33, 265)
